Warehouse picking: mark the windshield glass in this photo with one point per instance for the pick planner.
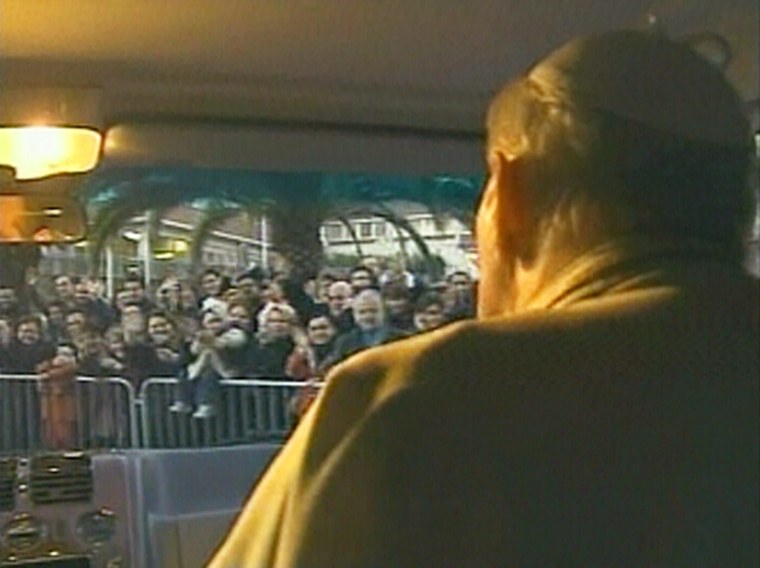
(264, 271)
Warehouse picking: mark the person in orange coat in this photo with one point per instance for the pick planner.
(58, 407)
(305, 362)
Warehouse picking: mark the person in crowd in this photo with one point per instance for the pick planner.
(133, 322)
(306, 360)
(428, 312)
(94, 359)
(121, 299)
(67, 350)
(6, 333)
(296, 295)
(168, 296)
(398, 305)
(76, 324)
(65, 289)
(240, 316)
(275, 342)
(375, 266)
(339, 297)
(272, 292)
(320, 304)
(139, 355)
(372, 328)
(361, 278)
(28, 348)
(249, 285)
(56, 321)
(459, 296)
(310, 288)
(115, 345)
(166, 346)
(210, 360)
(172, 300)
(130, 361)
(31, 298)
(395, 273)
(57, 399)
(325, 279)
(604, 405)
(135, 293)
(307, 363)
(230, 294)
(9, 305)
(100, 315)
(211, 285)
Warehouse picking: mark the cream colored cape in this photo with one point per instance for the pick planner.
(615, 424)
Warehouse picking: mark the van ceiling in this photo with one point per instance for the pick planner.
(429, 65)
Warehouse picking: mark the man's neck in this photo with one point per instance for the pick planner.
(566, 274)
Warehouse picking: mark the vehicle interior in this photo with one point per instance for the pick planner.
(293, 115)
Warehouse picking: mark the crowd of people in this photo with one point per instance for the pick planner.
(252, 325)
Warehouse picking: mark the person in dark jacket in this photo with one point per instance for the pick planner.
(165, 345)
(372, 328)
(6, 332)
(398, 305)
(28, 348)
(339, 295)
(9, 305)
(274, 343)
(306, 360)
(94, 359)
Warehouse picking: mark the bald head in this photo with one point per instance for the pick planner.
(339, 297)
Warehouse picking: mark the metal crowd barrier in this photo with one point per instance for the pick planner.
(107, 414)
(246, 411)
(100, 414)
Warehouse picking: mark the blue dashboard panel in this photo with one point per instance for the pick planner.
(168, 508)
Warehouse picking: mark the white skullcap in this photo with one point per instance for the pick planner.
(648, 78)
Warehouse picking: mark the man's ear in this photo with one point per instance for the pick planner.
(511, 211)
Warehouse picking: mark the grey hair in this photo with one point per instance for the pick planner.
(584, 163)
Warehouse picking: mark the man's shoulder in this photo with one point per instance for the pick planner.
(457, 351)
(406, 361)
(364, 386)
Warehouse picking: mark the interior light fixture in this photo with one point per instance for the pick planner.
(48, 131)
(40, 151)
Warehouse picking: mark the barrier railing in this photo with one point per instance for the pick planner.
(106, 414)
(98, 414)
(245, 411)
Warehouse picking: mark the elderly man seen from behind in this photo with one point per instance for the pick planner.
(603, 409)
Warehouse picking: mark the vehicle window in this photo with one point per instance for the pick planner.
(261, 268)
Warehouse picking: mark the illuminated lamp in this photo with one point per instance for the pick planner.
(180, 247)
(44, 132)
